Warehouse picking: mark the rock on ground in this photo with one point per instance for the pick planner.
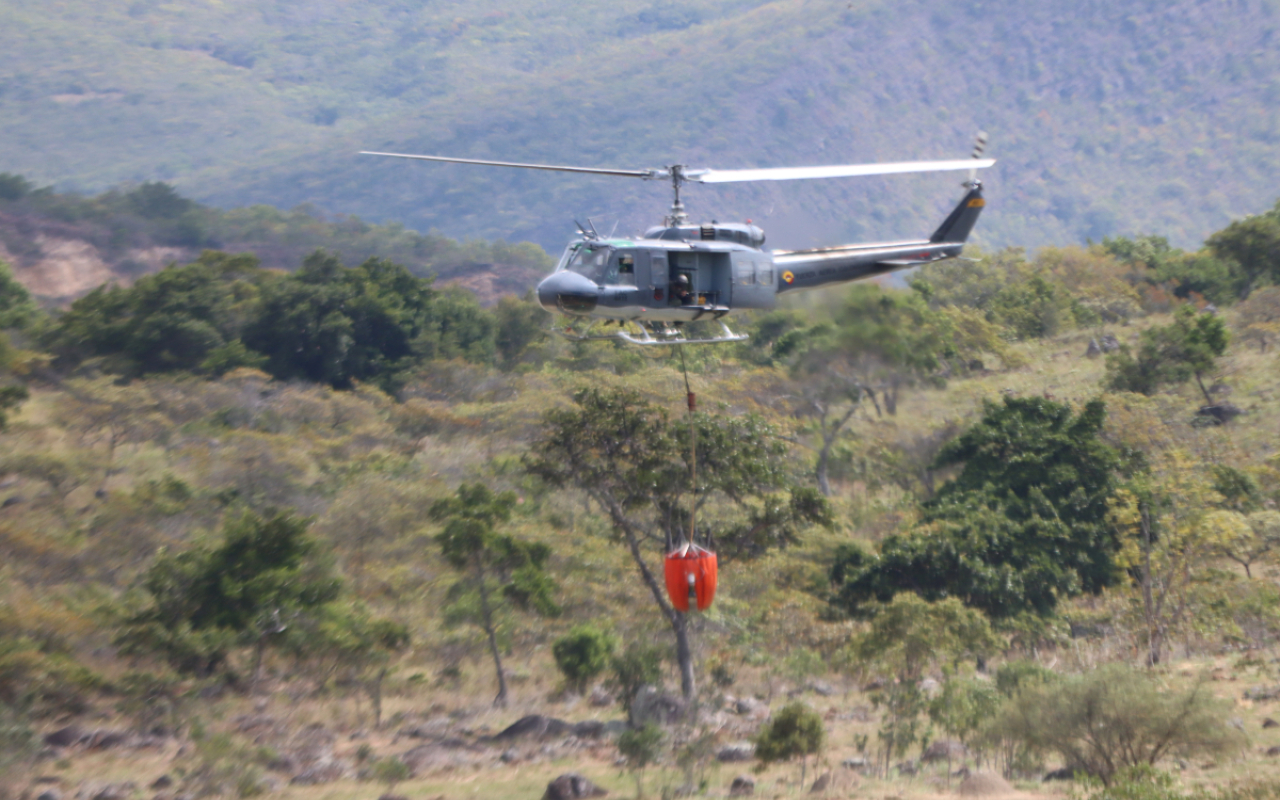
(736, 751)
(572, 786)
(537, 726)
(742, 786)
(657, 707)
(943, 749)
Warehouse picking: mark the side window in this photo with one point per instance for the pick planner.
(658, 270)
(746, 272)
(766, 275)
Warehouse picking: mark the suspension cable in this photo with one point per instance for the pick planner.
(693, 447)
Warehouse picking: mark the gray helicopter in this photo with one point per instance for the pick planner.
(677, 273)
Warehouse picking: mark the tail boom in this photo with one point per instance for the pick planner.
(809, 269)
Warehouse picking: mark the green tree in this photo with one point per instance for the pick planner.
(794, 731)
(17, 309)
(1023, 524)
(636, 667)
(626, 454)
(1173, 353)
(11, 397)
(172, 320)
(582, 654)
(878, 343)
(906, 636)
(641, 747)
(497, 567)
(1254, 244)
(330, 324)
(266, 572)
(520, 324)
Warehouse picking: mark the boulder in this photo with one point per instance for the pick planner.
(855, 763)
(1093, 350)
(1109, 343)
(1221, 413)
(588, 729)
(907, 768)
(821, 688)
(736, 751)
(572, 786)
(535, 726)
(751, 707)
(1255, 693)
(1270, 723)
(65, 737)
(821, 784)
(944, 750)
(1273, 751)
(163, 782)
(1060, 774)
(653, 706)
(52, 793)
(742, 786)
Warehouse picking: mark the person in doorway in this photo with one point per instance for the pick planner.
(680, 290)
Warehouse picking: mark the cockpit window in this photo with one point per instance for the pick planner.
(621, 270)
(590, 261)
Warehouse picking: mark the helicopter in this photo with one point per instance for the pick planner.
(651, 286)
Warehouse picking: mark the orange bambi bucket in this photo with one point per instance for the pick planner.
(691, 574)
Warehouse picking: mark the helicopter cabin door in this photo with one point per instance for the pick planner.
(753, 280)
(658, 277)
(709, 275)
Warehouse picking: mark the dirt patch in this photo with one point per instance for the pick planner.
(67, 268)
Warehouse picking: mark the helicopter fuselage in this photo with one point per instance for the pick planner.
(726, 269)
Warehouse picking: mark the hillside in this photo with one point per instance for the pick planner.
(139, 477)
(61, 246)
(1126, 117)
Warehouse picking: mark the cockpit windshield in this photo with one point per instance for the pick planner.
(589, 260)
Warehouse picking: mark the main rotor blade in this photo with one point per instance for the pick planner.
(834, 171)
(629, 173)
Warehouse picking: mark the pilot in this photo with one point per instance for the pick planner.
(680, 290)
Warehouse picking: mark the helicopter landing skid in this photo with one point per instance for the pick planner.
(657, 334)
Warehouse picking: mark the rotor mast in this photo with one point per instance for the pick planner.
(677, 215)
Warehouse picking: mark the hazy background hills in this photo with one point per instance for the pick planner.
(1107, 117)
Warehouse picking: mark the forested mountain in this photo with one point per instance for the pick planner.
(1107, 117)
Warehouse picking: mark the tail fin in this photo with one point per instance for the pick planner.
(960, 222)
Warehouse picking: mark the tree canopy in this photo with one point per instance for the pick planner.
(626, 454)
(1189, 346)
(1022, 525)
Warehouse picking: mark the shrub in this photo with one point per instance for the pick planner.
(1116, 717)
(796, 730)
(582, 654)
